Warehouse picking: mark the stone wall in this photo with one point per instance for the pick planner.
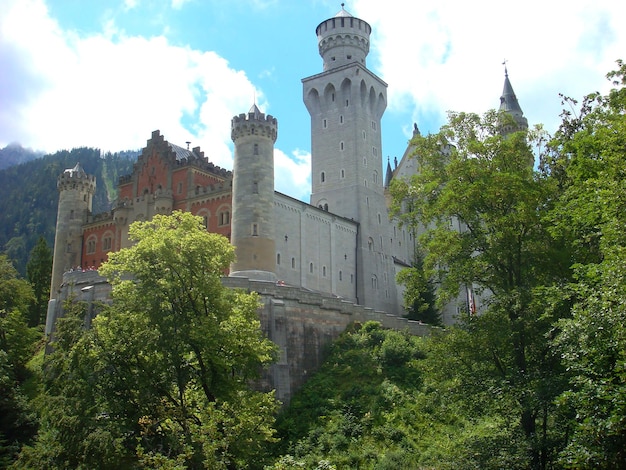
(301, 322)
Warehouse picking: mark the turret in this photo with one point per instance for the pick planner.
(343, 39)
(510, 105)
(253, 226)
(76, 189)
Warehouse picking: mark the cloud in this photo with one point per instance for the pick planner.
(110, 90)
(292, 175)
(447, 55)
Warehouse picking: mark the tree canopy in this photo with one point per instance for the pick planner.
(162, 377)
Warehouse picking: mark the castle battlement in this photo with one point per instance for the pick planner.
(76, 178)
(254, 123)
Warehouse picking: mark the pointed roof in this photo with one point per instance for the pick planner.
(255, 110)
(76, 171)
(509, 103)
(508, 100)
(388, 174)
(343, 13)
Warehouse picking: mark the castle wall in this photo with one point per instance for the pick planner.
(302, 323)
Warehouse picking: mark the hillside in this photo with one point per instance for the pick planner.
(15, 154)
(28, 207)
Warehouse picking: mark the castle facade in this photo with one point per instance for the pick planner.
(342, 244)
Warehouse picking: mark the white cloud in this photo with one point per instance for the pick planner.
(447, 55)
(292, 175)
(111, 90)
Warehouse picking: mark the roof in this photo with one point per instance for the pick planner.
(76, 171)
(508, 100)
(343, 13)
(180, 152)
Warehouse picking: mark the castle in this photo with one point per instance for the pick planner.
(340, 253)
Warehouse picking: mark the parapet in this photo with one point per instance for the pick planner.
(76, 178)
(254, 123)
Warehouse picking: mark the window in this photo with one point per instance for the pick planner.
(373, 125)
(293, 263)
(311, 268)
(224, 218)
(91, 244)
(277, 258)
(326, 207)
(343, 174)
(324, 124)
(323, 177)
(255, 187)
(341, 119)
(379, 219)
(180, 187)
(375, 177)
(255, 230)
(340, 276)
(374, 151)
(205, 221)
(341, 145)
(364, 135)
(364, 161)
(106, 243)
(333, 95)
(374, 281)
(347, 103)
(324, 271)
(256, 149)
(370, 243)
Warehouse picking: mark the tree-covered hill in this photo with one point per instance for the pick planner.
(15, 154)
(28, 207)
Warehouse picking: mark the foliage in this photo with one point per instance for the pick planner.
(589, 159)
(161, 378)
(419, 295)
(481, 208)
(17, 344)
(39, 274)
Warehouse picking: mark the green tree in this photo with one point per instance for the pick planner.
(480, 205)
(419, 296)
(39, 274)
(589, 158)
(162, 379)
(17, 344)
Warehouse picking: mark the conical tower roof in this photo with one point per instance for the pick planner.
(509, 103)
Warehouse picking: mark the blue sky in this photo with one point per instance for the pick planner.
(106, 73)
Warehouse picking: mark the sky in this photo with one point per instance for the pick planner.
(106, 73)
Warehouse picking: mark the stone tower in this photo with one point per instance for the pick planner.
(253, 225)
(346, 103)
(76, 190)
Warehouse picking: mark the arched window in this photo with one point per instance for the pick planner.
(311, 268)
(91, 244)
(374, 281)
(370, 243)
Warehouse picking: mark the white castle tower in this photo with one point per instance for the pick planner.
(253, 225)
(346, 103)
(76, 190)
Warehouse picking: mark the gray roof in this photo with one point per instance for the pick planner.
(508, 100)
(181, 152)
(343, 13)
(76, 171)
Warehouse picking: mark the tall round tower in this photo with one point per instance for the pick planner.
(252, 228)
(343, 39)
(76, 190)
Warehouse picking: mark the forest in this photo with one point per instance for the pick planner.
(535, 380)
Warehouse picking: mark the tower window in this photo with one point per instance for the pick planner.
(311, 268)
(374, 282)
(340, 276)
(379, 219)
(324, 271)
(364, 135)
(347, 103)
(256, 149)
(374, 151)
(322, 177)
(343, 173)
(364, 161)
(373, 125)
(341, 119)
(255, 188)
(255, 230)
(293, 263)
(341, 145)
(224, 218)
(277, 258)
(326, 207)
(332, 97)
(324, 124)
(349, 57)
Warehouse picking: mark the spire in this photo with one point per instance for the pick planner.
(255, 110)
(388, 174)
(509, 103)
